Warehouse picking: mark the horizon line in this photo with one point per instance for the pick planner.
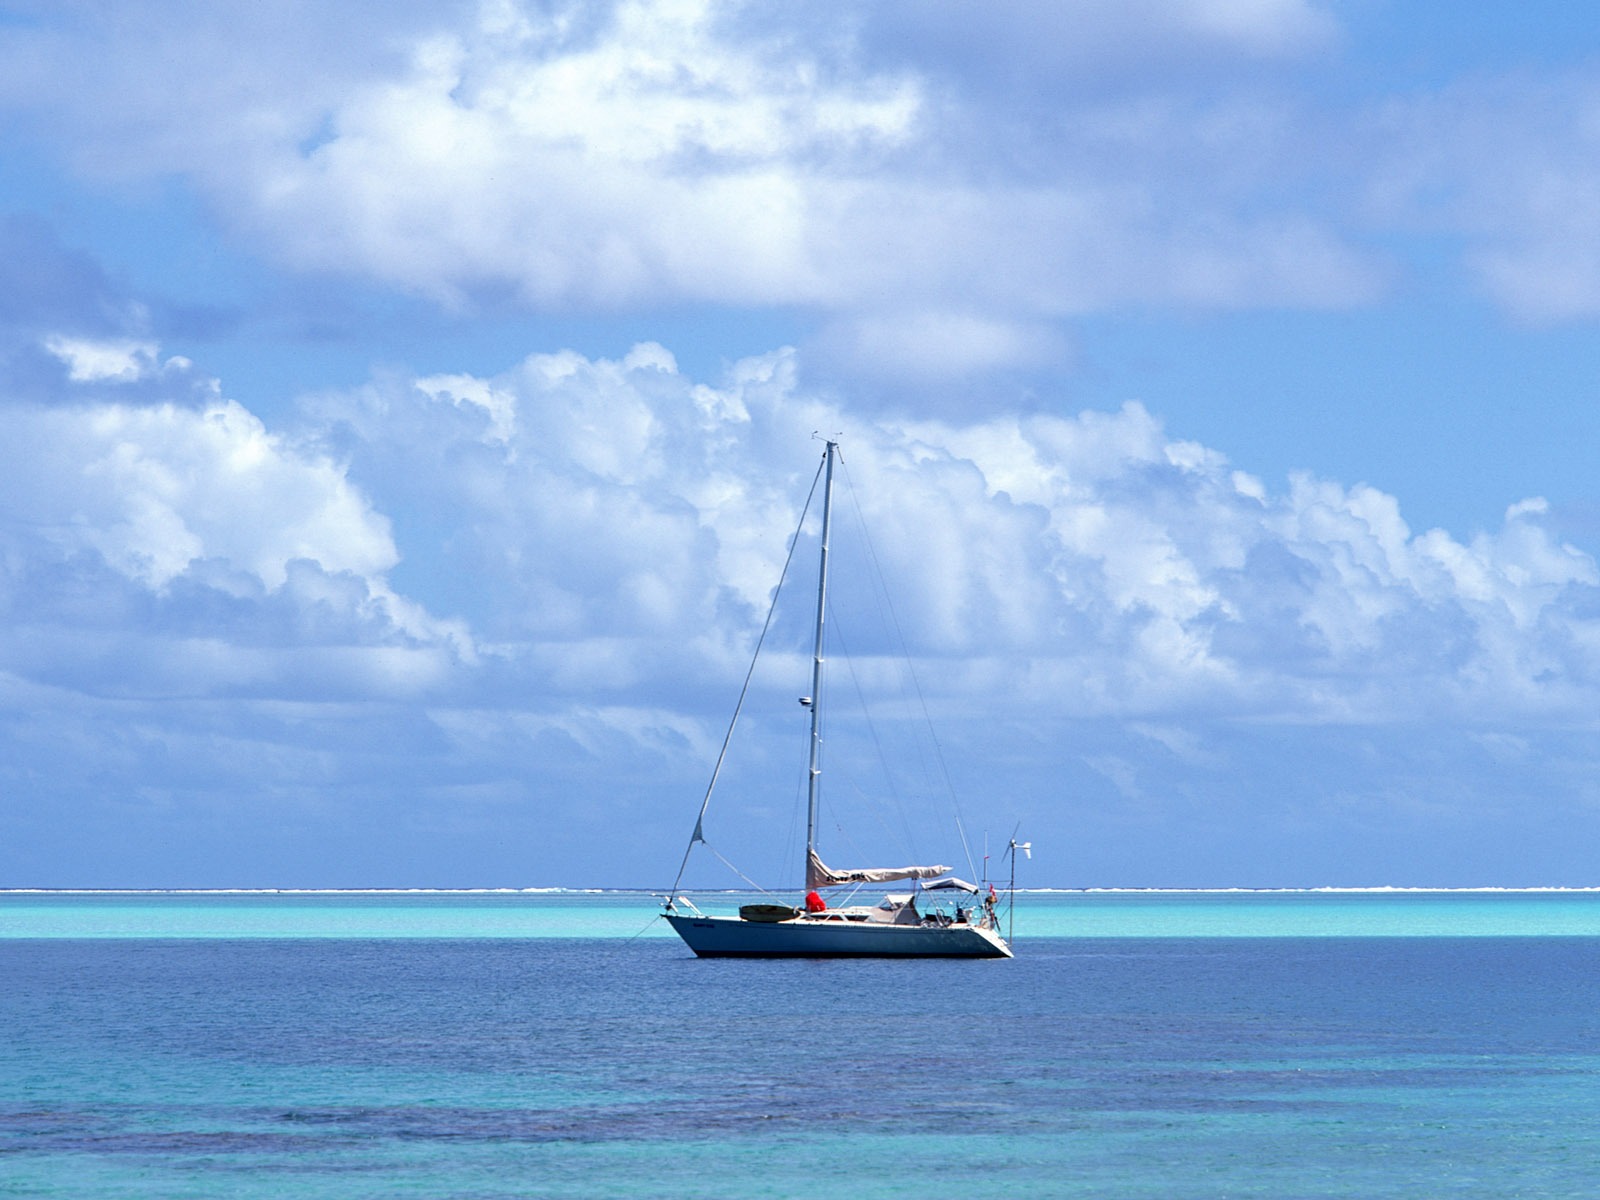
(1378, 889)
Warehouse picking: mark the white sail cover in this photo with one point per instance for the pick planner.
(818, 875)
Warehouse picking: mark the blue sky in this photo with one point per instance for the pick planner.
(405, 407)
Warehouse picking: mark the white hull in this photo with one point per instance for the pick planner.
(806, 937)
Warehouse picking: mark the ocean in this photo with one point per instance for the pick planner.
(498, 1045)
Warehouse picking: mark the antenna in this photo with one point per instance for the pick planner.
(1011, 892)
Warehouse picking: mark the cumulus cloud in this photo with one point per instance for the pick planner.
(510, 582)
(562, 563)
(662, 152)
(650, 159)
(173, 548)
(670, 154)
(607, 513)
(117, 360)
(938, 185)
(622, 518)
(156, 490)
(607, 525)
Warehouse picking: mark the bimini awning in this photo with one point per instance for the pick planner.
(819, 875)
(950, 885)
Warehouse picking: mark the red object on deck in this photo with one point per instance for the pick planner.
(815, 903)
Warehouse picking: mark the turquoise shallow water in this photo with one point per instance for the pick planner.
(1322, 1045)
(631, 914)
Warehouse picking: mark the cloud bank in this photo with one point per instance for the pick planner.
(870, 165)
(524, 585)
(603, 518)
(493, 603)
(444, 602)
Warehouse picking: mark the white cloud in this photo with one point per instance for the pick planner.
(155, 490)
(673, 150)
(565, 565)
(582, 493)
(658, 152)
(665, 159)
(942, 185)
(116, 360)
(611, 511)
(153, 549)
(615, 526)
(658, 159)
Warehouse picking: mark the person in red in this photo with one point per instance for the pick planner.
(815, 903)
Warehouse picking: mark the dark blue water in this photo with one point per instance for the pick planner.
(1248, 1067)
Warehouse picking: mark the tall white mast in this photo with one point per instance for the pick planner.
(815, 703)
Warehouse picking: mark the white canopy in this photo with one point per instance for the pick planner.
(819, 875)
(950, 885)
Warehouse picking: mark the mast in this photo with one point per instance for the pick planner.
(814, 701)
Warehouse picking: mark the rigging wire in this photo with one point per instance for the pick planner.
(733, 868)
(645, 930)
(897, 803)
(916, 684)
(699, 835)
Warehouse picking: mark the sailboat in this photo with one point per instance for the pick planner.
(905, 924)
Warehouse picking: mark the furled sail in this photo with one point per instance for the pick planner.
(819, 875)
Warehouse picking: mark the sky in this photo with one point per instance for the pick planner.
(405, 409)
